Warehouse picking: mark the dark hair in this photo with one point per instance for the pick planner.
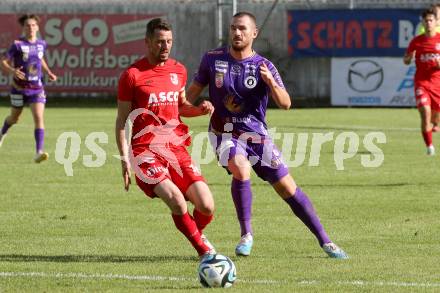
(25, 17)
(429, 11)
(435, 6)
(157, 23)
(248, 14)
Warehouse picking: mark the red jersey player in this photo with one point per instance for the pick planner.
(425, 49)
(151, 93)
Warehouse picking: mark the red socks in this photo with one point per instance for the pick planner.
(201, 220)
(427, 137)
(188, 227)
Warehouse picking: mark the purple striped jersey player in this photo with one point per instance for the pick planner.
(25, 61)
(240, 82)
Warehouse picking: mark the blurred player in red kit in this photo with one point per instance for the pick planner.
(425, 49)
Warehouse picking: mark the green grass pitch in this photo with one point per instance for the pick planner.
(83, 233)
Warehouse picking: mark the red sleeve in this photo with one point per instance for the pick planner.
(411, 47)
(184, 78)
(126, 86)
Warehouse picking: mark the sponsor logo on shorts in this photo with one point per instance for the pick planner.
(17, 100)
(152, 171)
(275, 163)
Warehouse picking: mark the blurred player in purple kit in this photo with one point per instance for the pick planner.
(25, 61)
(240, 82)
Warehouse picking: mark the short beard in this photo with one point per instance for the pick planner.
(238, 48)
(160, 58)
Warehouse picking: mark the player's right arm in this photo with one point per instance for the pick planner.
(409, 57)
(410, 53)
(201, 80)
(124, 109)
(7, 66)
(194, 91)
(125, 97)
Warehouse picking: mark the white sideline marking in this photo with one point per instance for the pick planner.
(171, 278)
(113, 277)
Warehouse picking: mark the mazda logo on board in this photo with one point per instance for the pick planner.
(365, 76)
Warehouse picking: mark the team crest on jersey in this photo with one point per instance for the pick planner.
(219, 76)
(32, 69)
(437, 46)
(174, 79)
(235, 69)
(250, 82)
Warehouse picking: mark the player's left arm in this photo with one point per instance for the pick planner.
(52, 76)
(279, 94)
(186, 109)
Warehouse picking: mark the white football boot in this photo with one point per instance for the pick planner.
(40, 157)
(334, 251)
(430, 151)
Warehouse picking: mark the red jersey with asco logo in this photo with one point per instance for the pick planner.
(155, 89)
(427, 53)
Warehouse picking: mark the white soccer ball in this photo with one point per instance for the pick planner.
(217, 271)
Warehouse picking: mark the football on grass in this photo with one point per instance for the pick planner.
(217, 270)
